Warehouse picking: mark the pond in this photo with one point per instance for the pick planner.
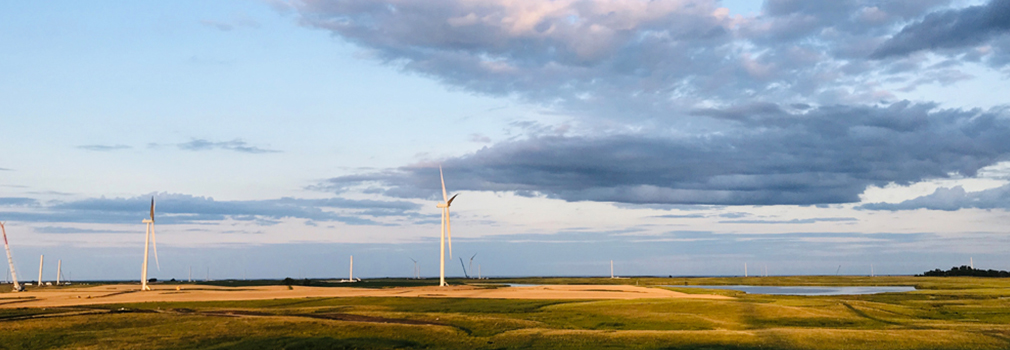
(809, 291)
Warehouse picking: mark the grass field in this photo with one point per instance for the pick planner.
(945, 313)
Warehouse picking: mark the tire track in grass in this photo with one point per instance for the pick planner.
(862, 314)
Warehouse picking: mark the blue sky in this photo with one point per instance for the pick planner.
(673, 137)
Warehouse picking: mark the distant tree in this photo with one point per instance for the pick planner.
(306, 282)
(152, 280)
(288, 281)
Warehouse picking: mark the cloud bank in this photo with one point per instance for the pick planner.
(954, 29)
(824, 155)
(184, 209)
(951, 199)
(652, 60)
(676, 102)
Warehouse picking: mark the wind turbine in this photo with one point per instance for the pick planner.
(148, 239)
(471, 262)
(446, 228)
(417, 273)
(10, 261)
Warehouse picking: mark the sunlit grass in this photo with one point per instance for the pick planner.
(944, 313)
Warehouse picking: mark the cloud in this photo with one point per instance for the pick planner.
(180, 209)
(227, 26)
(951, 199)
(637, 61)
(104, 148)
(681, 216)
(793, 221)
(63, 230)
(825, 155)
(5, 169)
(217, 25)
(18, 202)
(479, 138)
(236, 145)
(967, 27)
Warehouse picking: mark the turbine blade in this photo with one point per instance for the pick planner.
(449, 202)
(152, 208)
(444, 196)
(448, 228)
(154, 240)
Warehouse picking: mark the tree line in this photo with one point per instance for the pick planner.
(965, 270)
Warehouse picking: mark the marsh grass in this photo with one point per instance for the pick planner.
(944, 313)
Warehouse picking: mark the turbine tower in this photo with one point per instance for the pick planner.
(148, 240)
(10, 261)
(471, 262)
(417, 273)
(42, 258)
(446, 228)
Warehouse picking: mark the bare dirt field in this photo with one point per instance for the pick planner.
(123, 293)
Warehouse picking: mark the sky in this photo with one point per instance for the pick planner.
(680, 137)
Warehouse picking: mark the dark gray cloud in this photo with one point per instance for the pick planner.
(104, 148)
(178, 208)
(825, 155)
(951, 199)
(967, 27)
(639, 61)
(236, 145)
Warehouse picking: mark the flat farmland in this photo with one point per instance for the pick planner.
(553, 313)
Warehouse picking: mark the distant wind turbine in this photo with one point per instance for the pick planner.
(149, 238)
(446, 228)
(417, 273)
(471, 262)
(10, 261)
(464, 268)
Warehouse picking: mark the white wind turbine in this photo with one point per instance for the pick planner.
(471, 262)
(417, 272)
(148, 239)
(446, 228)
(14, 275)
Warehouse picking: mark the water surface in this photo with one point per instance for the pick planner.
(810, 291)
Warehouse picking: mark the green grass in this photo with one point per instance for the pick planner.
(945, 313)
